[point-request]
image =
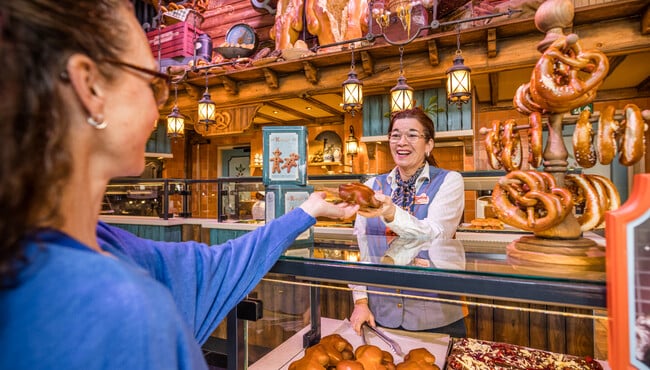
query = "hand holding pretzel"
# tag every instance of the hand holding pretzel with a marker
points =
(530, 200)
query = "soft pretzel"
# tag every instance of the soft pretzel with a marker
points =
(583, 147)
(372, 357)
(419, 359)
(585, 195)
(606, 138)
(358, 193)
(566, 76)
(315, 358)
(337, 348)
(535, 140)
(511, 147)
(523, 102)
(493, 145)
(613, 199)
(633, 136)
(530, 200)
(349, 365)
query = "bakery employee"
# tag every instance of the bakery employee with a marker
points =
(419, 200)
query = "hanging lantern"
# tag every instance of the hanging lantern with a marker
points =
(207, 109)
(401, 96)
(459, 86)
(352, 93)
(175, 124)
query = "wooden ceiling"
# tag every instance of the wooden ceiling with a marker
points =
(501, 55)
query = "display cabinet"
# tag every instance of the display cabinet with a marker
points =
(163, 198)
(545, 306)
(237, 195)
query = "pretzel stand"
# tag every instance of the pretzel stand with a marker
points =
(566, 77)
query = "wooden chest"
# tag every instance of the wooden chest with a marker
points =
(173, 41)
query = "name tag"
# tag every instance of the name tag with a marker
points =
(422, 199)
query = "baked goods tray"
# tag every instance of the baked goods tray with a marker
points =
(507, 229)
(291, 350)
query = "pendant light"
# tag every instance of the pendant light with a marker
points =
(459, 85)
(175, 120)
(207, 108)
(352, 91)
(401, 96)
(352, 144)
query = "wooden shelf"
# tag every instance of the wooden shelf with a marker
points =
(320, 164)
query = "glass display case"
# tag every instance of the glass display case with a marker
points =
(561, 309)
(164, 198)
(237, 196)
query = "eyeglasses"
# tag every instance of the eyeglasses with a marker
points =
(160, 83)
(411, 136)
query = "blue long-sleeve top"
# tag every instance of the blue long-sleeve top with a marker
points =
(147, 305)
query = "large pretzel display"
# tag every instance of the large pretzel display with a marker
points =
(566, 76)
(531, 200)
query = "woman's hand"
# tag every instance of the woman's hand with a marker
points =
(387, 209)
(360, 315)
(316, 206)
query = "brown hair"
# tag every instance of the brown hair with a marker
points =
(427, 124)
(36, 39)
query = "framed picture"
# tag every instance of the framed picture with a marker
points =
(238, 166)
(285, 155)
(628, 279)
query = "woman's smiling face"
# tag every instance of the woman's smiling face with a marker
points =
(408, 145)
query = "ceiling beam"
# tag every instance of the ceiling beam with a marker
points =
(644, 85)
(289, 110)
(320, 105)
(494, 88)
(268, 118)
(614, 62)
(492, 43)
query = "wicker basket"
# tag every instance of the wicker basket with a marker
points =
(190, 16)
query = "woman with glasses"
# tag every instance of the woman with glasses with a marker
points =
(79, 91)
(419, 201)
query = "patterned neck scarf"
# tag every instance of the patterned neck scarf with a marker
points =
(404, 195)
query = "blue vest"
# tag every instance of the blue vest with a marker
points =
(410, 314)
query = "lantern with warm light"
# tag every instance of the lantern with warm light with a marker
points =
(401, 96)
(207, 109)
(175, 124)
(352, 92)
(352, 144)
(175, 120)
(459, 85)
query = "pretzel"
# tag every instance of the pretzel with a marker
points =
(558, 84)
(530, 200)
(493, 145)
(585, 195)
(583, 147)
(315, 358)
(511, 147)
(535, 155)
(633, 137)
(357, 193)
(606, 138)
(613, 199)
(337, 348)
(523, 102)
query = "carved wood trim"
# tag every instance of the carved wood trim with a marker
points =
(229, 85)
(311, 72)
(645, 21)
(232, 121)
(433, 52)
(368, 63)
(271, 78)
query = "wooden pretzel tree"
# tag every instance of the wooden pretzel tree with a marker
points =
(566, 77)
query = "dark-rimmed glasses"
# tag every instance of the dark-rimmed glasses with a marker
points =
(159, 84)
(411, 136)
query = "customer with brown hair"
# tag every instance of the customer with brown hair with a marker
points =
(419, 201)
(79, 91)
